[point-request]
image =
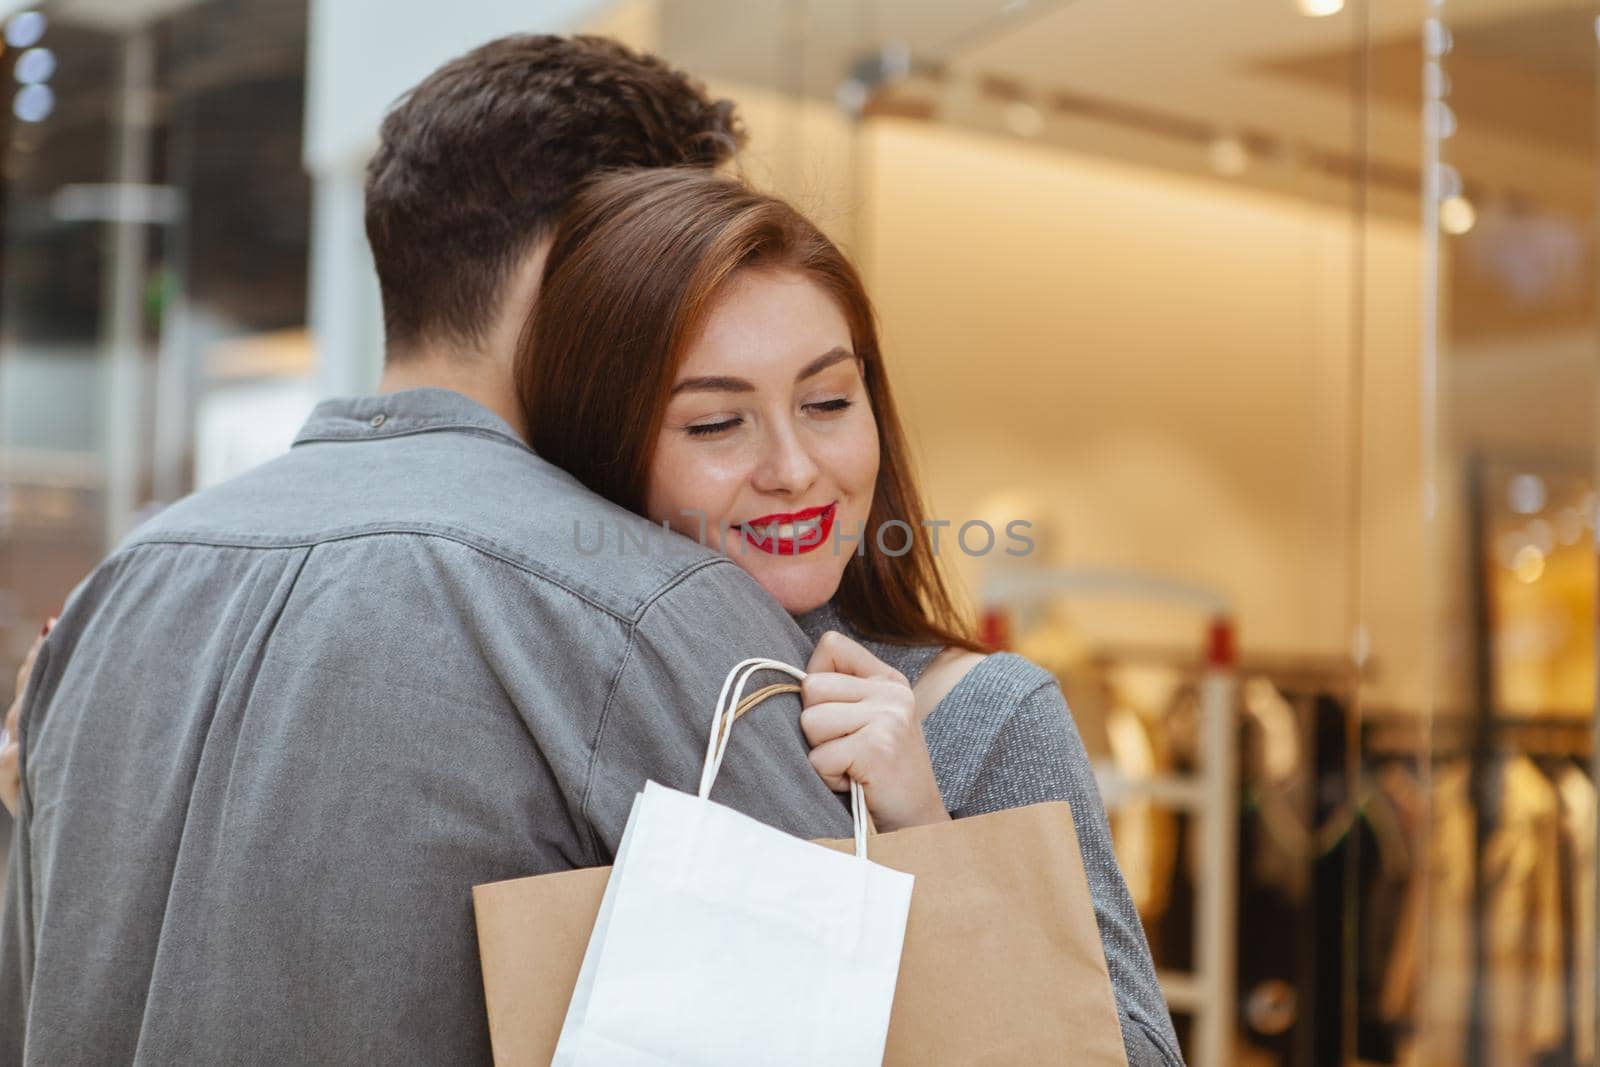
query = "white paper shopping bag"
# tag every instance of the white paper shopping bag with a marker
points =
(722, 941)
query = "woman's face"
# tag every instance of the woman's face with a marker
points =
(769, 436)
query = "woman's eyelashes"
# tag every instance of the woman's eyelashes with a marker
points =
(707, 429)
(712, 429)
(831, 405)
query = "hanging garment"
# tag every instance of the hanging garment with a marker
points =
(1386, 872)
(1578, 824)
(1523, 979)
(1443, 901)
(1397, 990)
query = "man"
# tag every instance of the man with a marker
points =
(273, 741)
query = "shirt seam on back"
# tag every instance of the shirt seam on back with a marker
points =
(466, 542)
(611, 694)
(253, 672)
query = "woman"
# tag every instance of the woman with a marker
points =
(704, 356)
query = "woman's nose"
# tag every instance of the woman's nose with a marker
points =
(785, 464)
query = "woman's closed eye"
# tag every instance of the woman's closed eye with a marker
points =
(707, 429)
(712, 429)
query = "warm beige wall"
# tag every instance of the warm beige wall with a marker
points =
(1167, 361)
(1397, 549)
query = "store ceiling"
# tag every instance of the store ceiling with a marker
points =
(1314, 102)
(1522, 76)
(1144, 69)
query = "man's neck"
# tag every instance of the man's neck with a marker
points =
(480, 372)
(482, 379)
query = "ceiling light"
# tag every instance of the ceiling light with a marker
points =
(1446, 181)
(1529, 565)
(1024, 120)
(33, 103)
(1527, 494)
(25, 29)
(1228, 156)
(35, 66)
(1441, 120)
(1437, 40)
(1457, 216)
(1319, 8)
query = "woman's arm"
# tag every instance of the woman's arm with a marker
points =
(1037, 756)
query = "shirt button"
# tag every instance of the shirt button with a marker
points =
(379, 420)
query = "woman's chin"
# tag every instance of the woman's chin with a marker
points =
(798, 586)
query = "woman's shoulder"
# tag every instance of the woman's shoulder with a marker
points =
(1001, 705)
(995, 681)
(947, 668)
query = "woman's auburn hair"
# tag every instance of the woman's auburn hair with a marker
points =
(636, 264)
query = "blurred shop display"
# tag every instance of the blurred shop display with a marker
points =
(1492, 955)
(1236, 823)
(156, 236)
(1151, 796)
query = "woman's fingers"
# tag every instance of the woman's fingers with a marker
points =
(837, 653)
(822, 723)
(827, 687)
(860, 719)
(832, 761)
(10, 777)
(10, 747)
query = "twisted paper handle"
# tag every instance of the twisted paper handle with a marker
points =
(730, 707)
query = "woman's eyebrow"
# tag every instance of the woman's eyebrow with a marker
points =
(823, 362)
(718, 384)
(712, 385)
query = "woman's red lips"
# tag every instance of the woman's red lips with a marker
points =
(762, 532)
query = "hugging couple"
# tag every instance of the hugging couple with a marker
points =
(277, 736)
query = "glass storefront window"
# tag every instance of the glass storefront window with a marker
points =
(1508, 108)
(153, 296)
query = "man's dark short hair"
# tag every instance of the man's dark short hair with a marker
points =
(476, 163)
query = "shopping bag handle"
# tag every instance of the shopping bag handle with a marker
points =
(730, 707)
(761, 696)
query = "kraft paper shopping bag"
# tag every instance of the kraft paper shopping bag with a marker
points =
(720, 940)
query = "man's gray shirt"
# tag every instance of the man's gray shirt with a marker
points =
(281, 732)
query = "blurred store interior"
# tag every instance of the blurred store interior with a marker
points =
(1275, 318)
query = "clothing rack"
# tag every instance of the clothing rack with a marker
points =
(1480, 739)
(1209, 795)
(1404, 734)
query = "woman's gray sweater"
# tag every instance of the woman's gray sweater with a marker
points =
(1003, 738)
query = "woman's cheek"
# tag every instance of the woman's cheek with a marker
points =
(854, 458)
(697, 481)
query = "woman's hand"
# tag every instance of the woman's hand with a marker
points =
(11, 745)
(861, 721)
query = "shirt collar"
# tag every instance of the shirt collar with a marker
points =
(410, 411)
